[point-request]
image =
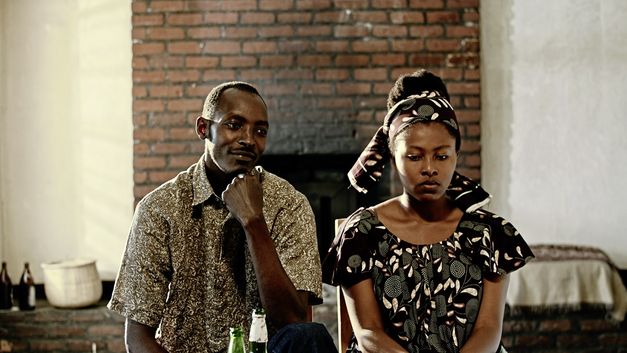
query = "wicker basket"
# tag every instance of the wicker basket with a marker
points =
(72, 283)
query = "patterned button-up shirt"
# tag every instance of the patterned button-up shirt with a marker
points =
(187, 269)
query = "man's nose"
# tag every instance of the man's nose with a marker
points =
(246, 137)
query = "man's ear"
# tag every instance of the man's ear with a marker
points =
(203, 128)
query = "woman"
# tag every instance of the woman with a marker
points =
(425, 271)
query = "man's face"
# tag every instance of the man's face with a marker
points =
(238, 131)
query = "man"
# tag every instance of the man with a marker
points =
(218, 240)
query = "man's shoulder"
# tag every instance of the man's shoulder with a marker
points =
(176, 190)
(278, 188)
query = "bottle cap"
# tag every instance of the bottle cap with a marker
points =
(236, 331)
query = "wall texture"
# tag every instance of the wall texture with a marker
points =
(65, 133)
(553, 126)
(324, 67)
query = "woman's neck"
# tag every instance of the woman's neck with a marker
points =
(430, 211)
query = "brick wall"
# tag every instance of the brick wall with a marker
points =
(323, 66)
(59, 330)
(46, 329)
(586, 331)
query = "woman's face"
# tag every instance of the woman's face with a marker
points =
(425, 157)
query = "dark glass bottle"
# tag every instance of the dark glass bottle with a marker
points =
(6, 288)
(26, 290)
(258, 337)
(236, 341)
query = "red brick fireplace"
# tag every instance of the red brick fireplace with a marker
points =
(324, 68)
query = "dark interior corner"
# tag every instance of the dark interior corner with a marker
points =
(322, 178)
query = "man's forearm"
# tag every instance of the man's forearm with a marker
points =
(140, 338)
(281, 300)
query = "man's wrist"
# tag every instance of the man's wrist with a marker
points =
(253, 223)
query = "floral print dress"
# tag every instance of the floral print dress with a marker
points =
(429, 295)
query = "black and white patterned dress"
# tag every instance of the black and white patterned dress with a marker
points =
(429, 295)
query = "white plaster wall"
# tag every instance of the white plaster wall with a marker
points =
(66, 140)
(3, 109)
(106, 129)
(554, 146)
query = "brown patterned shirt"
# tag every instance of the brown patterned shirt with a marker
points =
(187, 268)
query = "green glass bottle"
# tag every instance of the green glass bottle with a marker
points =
(258, 337)
(236, 342)
(26, 290)
(6, 288)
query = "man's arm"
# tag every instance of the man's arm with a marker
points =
(282, 302)
(143, 280)
(140, 338)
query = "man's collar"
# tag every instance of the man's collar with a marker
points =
(203, 192)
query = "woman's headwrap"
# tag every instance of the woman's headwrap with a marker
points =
(425, 107)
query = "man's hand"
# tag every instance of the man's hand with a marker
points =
(244, 197)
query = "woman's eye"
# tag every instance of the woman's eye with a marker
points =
(441, 157)
(413, 157)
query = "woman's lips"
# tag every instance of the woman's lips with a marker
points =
(429, 185)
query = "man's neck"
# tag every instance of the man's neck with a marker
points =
(217, 178)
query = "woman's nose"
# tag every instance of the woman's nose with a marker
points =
(428, 169)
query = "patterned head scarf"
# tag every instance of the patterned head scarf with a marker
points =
(426, 107)
(429, 106)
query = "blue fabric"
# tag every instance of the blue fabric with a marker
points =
(310, 337)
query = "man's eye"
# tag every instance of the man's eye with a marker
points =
(262, 132)
(441, 157)
(413, 157)
(233, 125)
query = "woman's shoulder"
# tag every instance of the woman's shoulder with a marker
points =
(359, 216)
(388, 209)
(373, 214)
(487, 219)
(349, 258)
(387, 205)
(498, 243)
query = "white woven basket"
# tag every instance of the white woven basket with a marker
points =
(72, 283)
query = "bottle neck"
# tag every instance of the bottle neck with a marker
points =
(26, 278)
(258, 330)
(257, 347)
(236, 343)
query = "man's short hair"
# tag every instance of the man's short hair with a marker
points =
(213, 98)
